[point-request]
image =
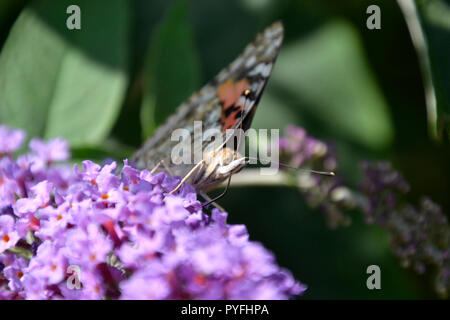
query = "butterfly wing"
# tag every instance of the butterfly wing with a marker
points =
(220, 104)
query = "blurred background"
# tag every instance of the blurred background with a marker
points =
(107, 87)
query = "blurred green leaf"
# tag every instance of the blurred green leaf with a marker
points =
(58, 82)
(326, 77)
(109, 149)
(172, 68)
(429, 25)
(21, 252)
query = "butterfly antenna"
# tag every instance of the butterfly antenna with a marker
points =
(322, 173)
(247, 93)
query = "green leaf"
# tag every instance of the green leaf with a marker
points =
(21, 252)
(172, 68)
(60, 82)
(109, 149)
(325, 77)
(429, 25)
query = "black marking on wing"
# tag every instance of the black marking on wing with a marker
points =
(228, 111)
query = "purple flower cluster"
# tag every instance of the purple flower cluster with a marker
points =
(298, 149)
(383, 187)
(419, 236)
(92, 233)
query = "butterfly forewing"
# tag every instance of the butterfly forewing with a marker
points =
(221, 104)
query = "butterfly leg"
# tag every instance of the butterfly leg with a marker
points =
(210, 201)
(220, 196)
(188, 175)
(166, 167)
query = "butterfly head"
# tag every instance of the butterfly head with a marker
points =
(219, 165)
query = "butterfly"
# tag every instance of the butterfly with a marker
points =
(229, 101)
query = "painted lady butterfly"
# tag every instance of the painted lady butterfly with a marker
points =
(229, 101)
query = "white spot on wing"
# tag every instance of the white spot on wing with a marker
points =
(262, 69)
(250, 61)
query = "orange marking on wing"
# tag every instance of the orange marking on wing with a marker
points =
(229, 93)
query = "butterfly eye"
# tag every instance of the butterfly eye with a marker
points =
(247, 92)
